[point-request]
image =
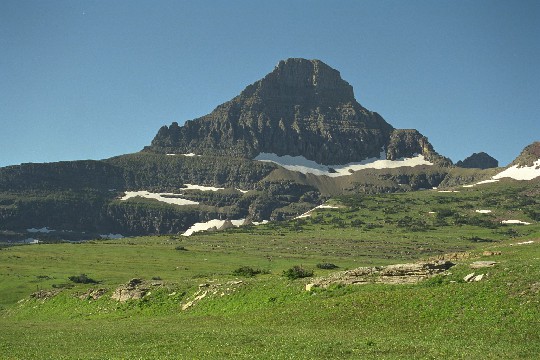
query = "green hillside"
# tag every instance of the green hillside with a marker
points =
(44, 314)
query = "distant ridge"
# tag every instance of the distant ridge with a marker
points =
(302, 108)
(479, 160)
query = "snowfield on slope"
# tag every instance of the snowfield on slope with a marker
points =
(514, 172)
(305, 166)
(520, 173)
(310, 212)
(515, 222)
(44, 230)
(163, 197)
(171, 198)
(203, 226)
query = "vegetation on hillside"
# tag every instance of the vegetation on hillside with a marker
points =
(205, 303)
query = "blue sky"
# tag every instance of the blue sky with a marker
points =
(94, 79)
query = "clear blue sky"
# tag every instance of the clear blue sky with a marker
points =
(94, 79)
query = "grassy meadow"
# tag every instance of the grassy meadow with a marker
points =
(269, 316)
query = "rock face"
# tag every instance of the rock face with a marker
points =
(408, 143)
(479, 160)
(303, 107)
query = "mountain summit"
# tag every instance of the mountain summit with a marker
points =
(302, 108)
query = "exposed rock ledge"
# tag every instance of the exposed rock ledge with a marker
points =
(391, 274)
(135, 289)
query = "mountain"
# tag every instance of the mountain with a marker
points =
(529, 156)
(478, 161)
(285, 145)
(302, 108)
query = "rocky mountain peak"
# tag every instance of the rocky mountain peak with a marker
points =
(301, 81)
(479, 160)
(529, 155)
(301, 108)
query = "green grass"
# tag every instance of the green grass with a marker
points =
(268, 316)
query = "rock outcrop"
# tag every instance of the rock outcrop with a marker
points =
(391, 274)
(302, 108)
(479, 160)
(405, 143)
(135, 289)
(528, 156)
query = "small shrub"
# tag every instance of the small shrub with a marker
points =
(479, 239)
(297, 272)
(180, 248)
(247, 271)
(82, 279)
(327, 266)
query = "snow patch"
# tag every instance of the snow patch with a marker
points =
(111, 236)
(213, 223)
(163, 197)
(305, 166)
(203, 226)
(190, 154)
(260, 222)
(201, 187)
(448, 191)
(515, 222)
(172, 198)
(45, 230)
(483, 211)
(514, 172)
(486, 182)
(523, 243)
(521, 173)
(207, 188)
(310, 212)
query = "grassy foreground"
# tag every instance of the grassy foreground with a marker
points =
(271, 317)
